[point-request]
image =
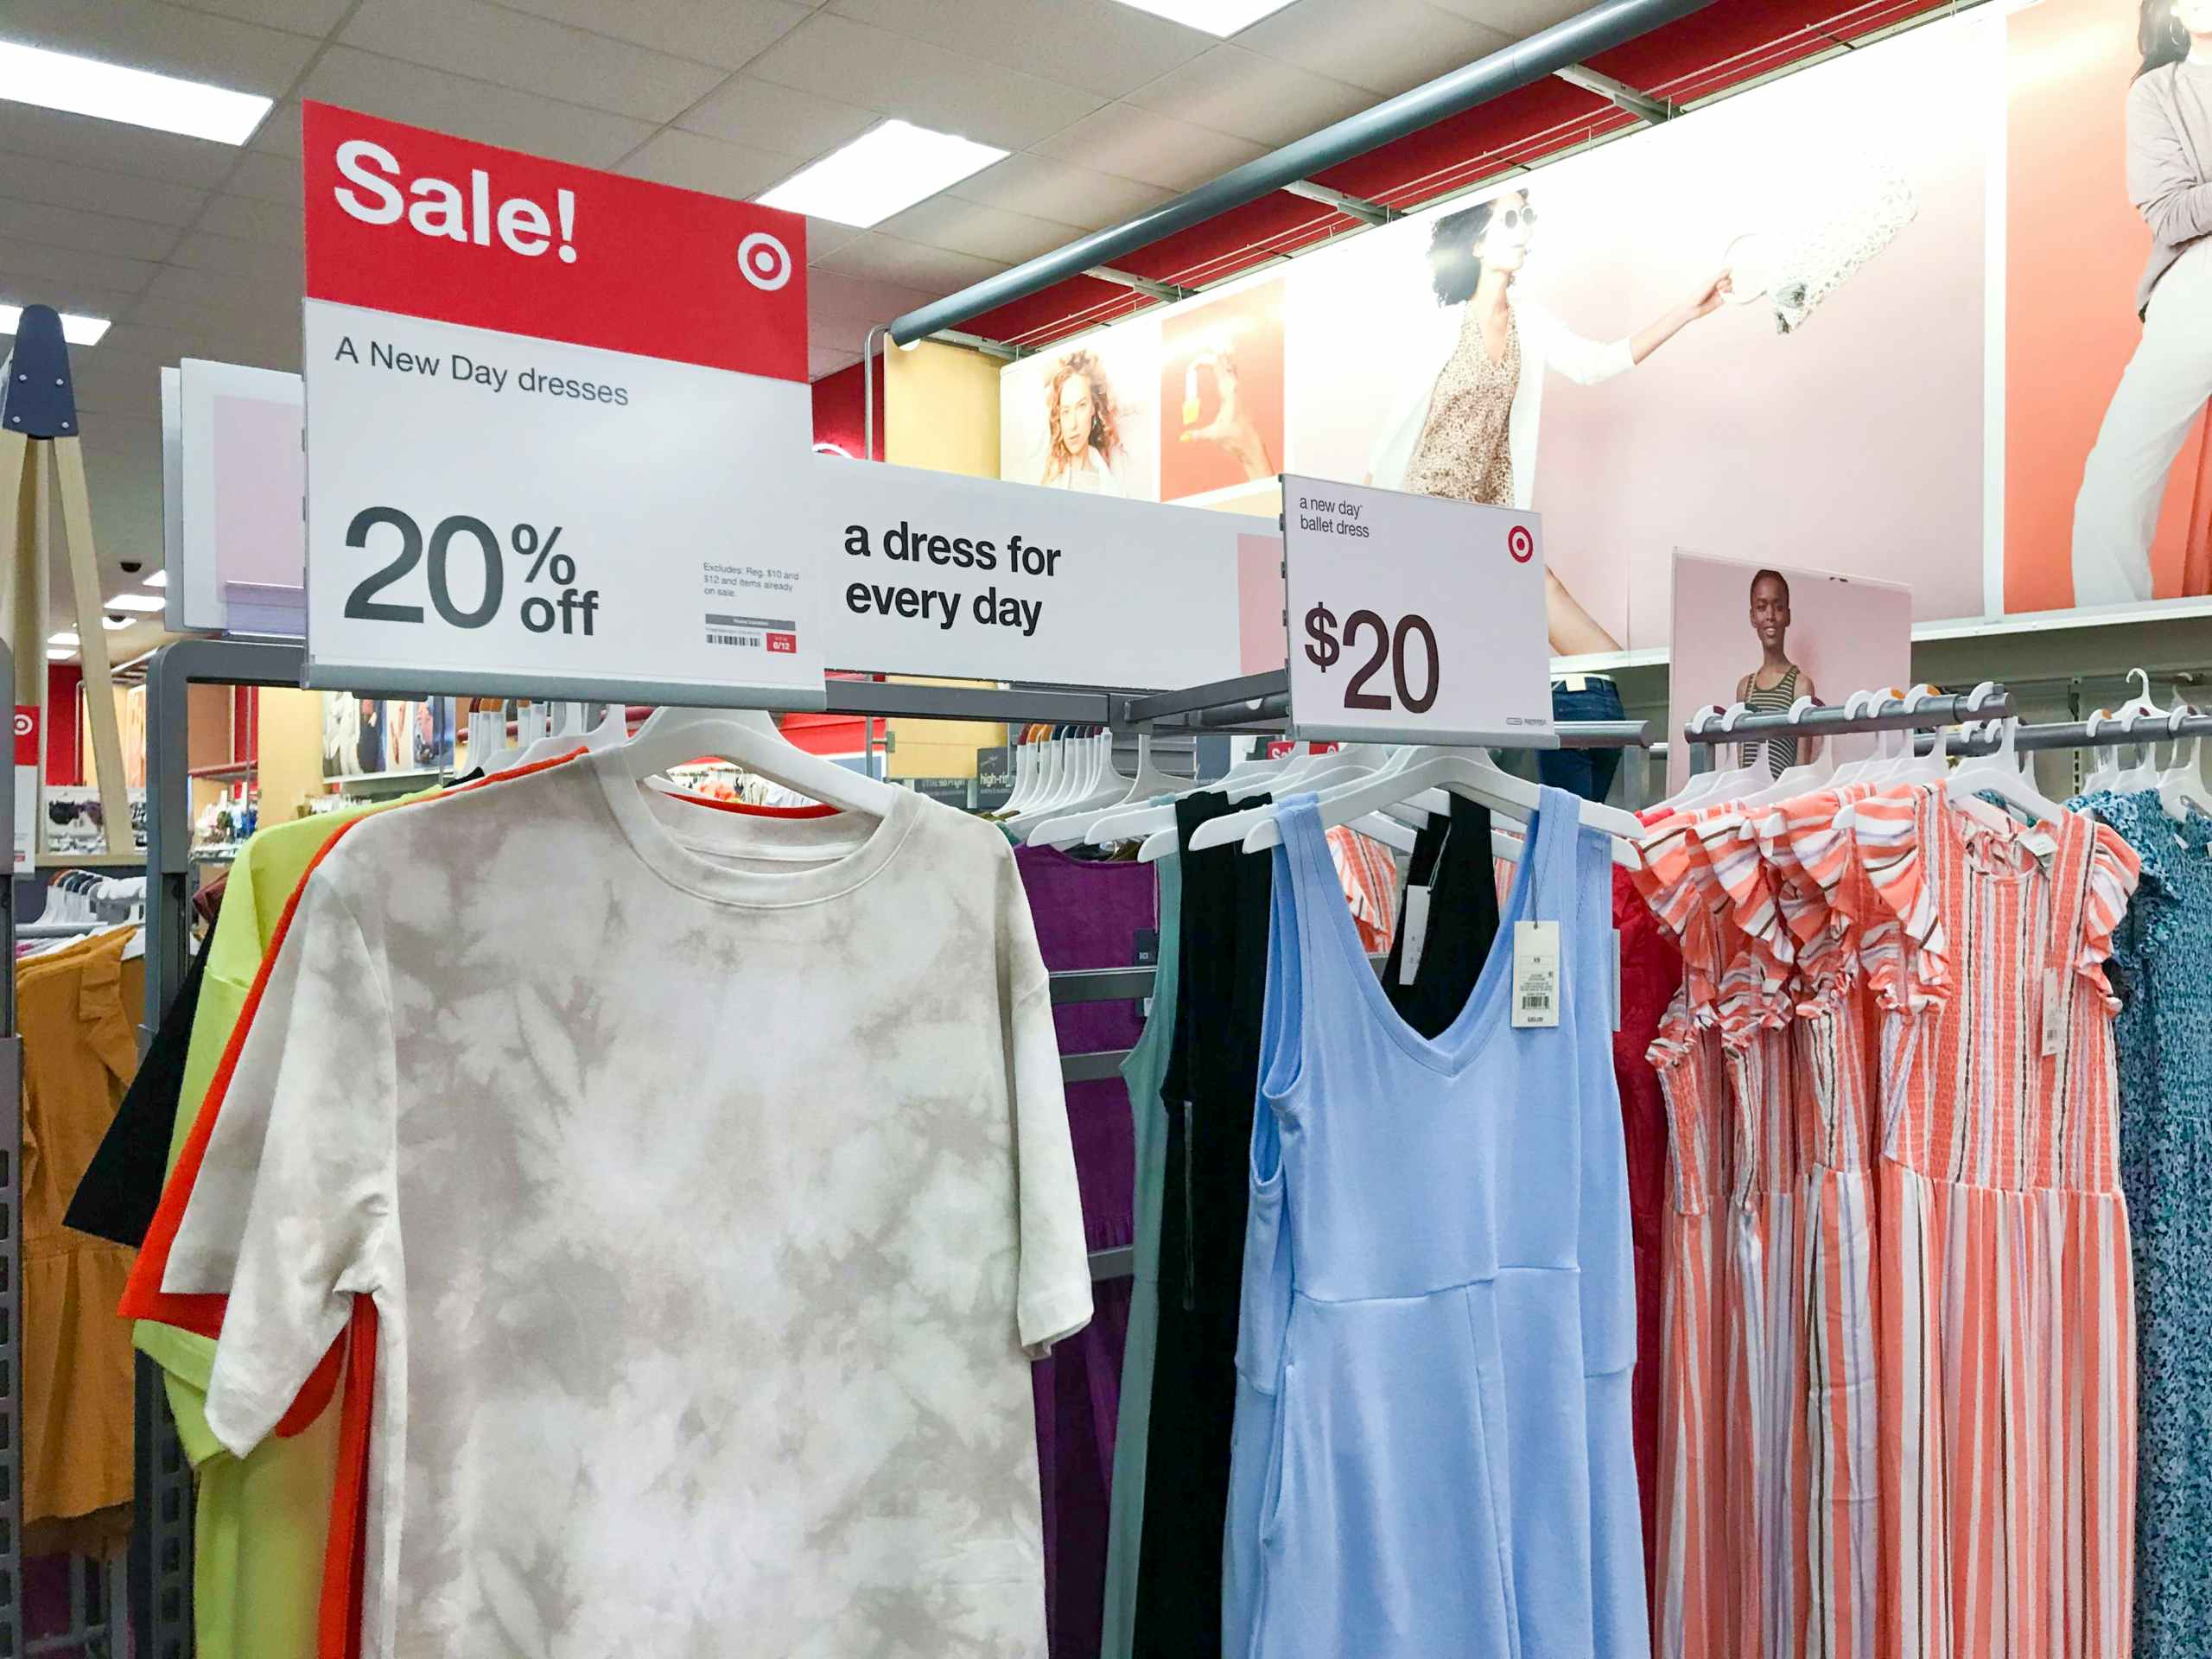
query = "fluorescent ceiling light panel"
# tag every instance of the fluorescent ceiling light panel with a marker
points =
(1223, 17)
(892, 165)
(67, 637)
(77, 331)
(55, 655)
(145, 604)
(58, 80)
(159, 579)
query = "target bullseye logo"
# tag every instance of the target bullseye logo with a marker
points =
(765, 262)
(1520, 544)
(26, 722)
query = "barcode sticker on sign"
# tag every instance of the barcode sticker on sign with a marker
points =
(1535, 974)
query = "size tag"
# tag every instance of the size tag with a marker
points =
(1413, 926)
(2053, 1012)
(1535, 974)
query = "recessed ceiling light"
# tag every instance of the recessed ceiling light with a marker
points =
(67, 637)
(77, 331)
(116, 624)
(892, 165)
(1215, 16)
(159, 579)
(146, 604)
(59, 80)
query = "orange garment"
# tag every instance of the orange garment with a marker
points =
(1371, 884)
(79, 1053)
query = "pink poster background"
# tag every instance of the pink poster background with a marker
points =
(260, 481)
(1847, 634)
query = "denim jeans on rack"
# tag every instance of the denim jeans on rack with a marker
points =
(1588, 773)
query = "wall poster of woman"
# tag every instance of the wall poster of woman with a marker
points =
(1080, 416)
(2168, 379)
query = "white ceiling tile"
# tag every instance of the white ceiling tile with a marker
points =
(111, 380)
(970, 227)
(316, 17)
(112, 146)
(85, 299)
(68, 227)
(59, 184)
(203, 250)
(824, 359)
(1386, 46)
(1247, 96)
(728, 33)
(266, 178)
(147, 34)
(512, 48)
(1028, 183)
(701, 163)
(279, 134)
(222, 294)
(826, 236)
(836, 58)
(243, 217)
(1516, 18)
(1150, 147)
(473, 109)
(749, 111)
(936, 271)
(270, 338)
(1107, 49)
(66, 265)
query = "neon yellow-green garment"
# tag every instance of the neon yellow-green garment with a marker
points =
(261, 1521)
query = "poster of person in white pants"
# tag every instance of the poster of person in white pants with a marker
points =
(2169, 379)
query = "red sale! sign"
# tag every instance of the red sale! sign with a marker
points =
(422, 224)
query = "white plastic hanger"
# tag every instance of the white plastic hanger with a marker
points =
(1066, 829)
(612, 731)
(1722, 783)
(749, 739)
(1858, 706)
(2180, 786)
(2144, 774)
(1799, 779)
(2000, 774)
(1103, 787)
(1467, 772)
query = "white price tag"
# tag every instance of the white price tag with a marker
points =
(1535, 974)
(1413, 922)
(1413, 617)
(2054, 1011)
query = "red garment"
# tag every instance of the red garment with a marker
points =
(1651, 971)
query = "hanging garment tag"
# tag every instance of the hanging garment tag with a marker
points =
(1413, 922)
(1535, 974)
(1146, 954)
(2053, 1012)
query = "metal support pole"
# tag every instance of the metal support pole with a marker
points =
(1621, 95)
(1359, 207)
(1159, 291)
(160, 1576)
(11, 1264)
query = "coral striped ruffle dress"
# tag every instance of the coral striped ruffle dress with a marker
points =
(2007, 1374)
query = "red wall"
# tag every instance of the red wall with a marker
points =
(837, 411)
(63, 765)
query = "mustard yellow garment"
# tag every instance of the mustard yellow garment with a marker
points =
(261, 1522)
(74, 1007)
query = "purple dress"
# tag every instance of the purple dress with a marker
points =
(1090, 913)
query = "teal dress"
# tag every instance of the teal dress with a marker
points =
(2161, 969)
(1144, 1071)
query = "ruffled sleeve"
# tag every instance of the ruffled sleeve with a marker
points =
(1902, 948)
(2114, 869)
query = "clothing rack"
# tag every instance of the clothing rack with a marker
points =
(1260, 703)
(1987, 701)
(2082, 735)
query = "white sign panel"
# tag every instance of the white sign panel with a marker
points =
(236, 550)
(1413, 617)
(549, 542)
(932, 573)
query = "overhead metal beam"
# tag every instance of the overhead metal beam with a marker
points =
(1374, 212)
(1159, 291)
(1619, 93)
(1600, 29)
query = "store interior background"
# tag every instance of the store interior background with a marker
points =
(191, 249)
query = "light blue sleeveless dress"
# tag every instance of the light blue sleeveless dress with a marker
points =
(1432, 1452)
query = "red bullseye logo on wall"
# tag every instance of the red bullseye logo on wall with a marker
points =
(1520, 544)
(765, 262)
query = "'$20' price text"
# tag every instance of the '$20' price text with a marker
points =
(1415, 673)
(555, 604)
